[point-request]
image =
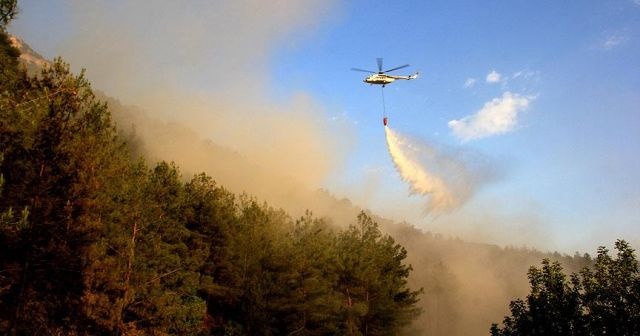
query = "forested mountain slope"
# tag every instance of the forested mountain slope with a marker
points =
(93, 241)
(96, 238)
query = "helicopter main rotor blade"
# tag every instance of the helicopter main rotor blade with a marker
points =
(363, 70)
(396, 68)
(379, 60)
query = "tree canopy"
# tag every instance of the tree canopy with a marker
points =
(600, 300)
(8, 10)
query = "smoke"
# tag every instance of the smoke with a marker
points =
(200, 73)
(134, 49)
(446, 180)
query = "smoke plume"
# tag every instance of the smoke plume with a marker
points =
(447, 180)
(200, 73)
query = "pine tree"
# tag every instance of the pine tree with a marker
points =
(209, 213)
(59, 147)
(373, 281)
(164, 279)
(258, 256)
(305, 302)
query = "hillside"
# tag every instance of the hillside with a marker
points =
(93, 241)
(467, 286)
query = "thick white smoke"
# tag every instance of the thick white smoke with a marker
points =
(446, 178)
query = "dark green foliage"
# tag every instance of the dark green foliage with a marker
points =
(372, 281)
(10, 72)
(58, 144)
(552, 307)
(612, 292)
(313, 304)
(8, 10)
(604, 300)
(93, 242)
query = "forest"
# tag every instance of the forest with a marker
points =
(93, 241)
(97, 239)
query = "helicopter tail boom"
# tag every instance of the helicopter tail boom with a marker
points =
(410, 77)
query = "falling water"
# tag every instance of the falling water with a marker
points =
(421, 181)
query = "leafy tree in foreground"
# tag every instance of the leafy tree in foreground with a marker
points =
(604, 300)
(611, 296)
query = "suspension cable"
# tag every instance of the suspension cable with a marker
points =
(384, 106)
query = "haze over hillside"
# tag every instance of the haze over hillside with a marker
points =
(466, 284)
(259, 97)
(277, 87)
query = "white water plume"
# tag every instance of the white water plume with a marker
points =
(447, 179)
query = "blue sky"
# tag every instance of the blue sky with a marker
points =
(573, 156)
(565, 170)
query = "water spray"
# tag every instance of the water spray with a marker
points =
(421, 181)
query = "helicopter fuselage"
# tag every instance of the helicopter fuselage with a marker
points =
(383, 79)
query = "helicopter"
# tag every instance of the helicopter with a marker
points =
(381, 77)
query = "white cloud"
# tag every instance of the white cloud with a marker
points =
(470, 82)
(496, 117)
(523, 74)
(526, 73)
(613, 41)
(493, 77)
(637, 2)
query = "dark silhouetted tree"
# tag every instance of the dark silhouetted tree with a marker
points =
(604, 300)
(611, 296)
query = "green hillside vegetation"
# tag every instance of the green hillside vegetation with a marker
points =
(97, 237)
(465, 284)
(95, 242)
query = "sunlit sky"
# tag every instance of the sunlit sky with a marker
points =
(547, 93)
